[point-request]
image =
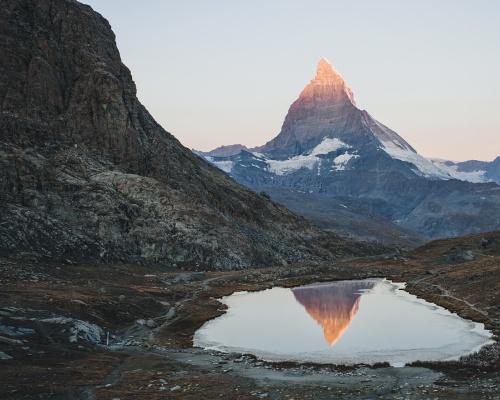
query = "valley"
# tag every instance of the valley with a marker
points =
(116, 240)
(154, 360)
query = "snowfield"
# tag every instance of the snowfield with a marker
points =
(226, 166)
(475, 176)
(423, 165)
(285, 167)
(429, 168)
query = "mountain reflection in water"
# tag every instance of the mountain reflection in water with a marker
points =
(391, 325)
(333, 305)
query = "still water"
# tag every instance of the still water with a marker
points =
(341, 322)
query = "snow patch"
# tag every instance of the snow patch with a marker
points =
(79, 329)
(452, 170)
(423, 165)
(309, 161)
(342, 160)
(328, 145)
(226, 166)
(386, 136)
(398, 149)
(293, 164)
(85, 331)
(259, 155)
(319, 168)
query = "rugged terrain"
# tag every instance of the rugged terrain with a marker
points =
(55, 320)
(87, 174)
(116, 241)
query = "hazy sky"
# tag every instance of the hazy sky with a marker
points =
(226, 71)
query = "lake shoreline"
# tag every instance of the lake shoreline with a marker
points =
(157, 359)
(368, 321)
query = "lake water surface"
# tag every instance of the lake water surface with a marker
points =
(343, 322)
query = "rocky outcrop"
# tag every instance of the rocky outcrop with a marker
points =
(493, 170)
(87, 174)
(326, 109)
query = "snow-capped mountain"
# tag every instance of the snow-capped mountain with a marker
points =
(324, 127)
(328, 147)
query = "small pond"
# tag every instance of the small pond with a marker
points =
(343, 322)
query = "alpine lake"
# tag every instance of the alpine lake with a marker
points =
(344, 323)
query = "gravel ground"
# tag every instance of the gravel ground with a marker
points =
(151, 315)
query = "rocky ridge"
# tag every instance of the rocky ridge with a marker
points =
(87, 175)
(223, 151)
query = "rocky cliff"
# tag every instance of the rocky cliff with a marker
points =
(86, 174)
(326, 109)
(493, 170)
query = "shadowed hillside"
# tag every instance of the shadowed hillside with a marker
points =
(87, 174)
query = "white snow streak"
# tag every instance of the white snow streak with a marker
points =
(474, 176)
(259, 155)
(284, 167)
(424, 166)
(328, 145)
(342, 160)
(226, 166)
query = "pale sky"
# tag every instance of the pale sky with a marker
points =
(226, 71)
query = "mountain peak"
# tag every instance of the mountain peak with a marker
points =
(325, 70)
(327, 75)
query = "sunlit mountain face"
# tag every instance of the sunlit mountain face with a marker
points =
(333, 305)
(335, 164)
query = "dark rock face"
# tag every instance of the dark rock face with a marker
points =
(87, 174)
(493, 170)
(326, 109)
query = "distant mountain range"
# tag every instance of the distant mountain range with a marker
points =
(337, 165)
